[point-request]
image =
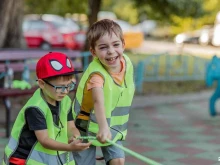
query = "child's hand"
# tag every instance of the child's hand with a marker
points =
(76, 132)
(71, 140)
(77, 145)
(104, 134)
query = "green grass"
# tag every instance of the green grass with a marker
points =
(171, 87)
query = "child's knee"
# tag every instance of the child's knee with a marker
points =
(117, 161)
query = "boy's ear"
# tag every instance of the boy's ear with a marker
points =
(123, 45)
(41, 83)
(92, 51)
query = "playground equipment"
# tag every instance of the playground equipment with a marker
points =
(213, 74)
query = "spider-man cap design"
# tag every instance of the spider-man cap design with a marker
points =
(54, 64)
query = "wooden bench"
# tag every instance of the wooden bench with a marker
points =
(17, 60)
(5, 94)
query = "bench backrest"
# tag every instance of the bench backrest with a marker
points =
(19, 60)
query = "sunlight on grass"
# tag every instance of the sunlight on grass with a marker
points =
(180, 64)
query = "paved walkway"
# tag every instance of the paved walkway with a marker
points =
(173, 130)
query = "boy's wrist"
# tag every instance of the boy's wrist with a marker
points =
(103, 127)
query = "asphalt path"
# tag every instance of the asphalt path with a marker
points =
(152, 46)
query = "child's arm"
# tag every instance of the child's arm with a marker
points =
(73, 132)
(98, 100)
(47, 142)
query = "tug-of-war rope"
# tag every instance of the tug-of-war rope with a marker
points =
(132, 153)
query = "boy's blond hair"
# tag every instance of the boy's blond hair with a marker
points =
(100, 28)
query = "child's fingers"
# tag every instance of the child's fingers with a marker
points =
(70, 141)
(84, 146)
(74, 137)
(89, 143)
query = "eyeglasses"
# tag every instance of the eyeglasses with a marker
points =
(60, 89)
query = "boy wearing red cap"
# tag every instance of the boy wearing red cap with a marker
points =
(44, 128)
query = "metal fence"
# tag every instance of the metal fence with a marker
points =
(166, 67)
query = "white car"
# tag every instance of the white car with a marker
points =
(206, 35)
(188, 37)
(147, 27)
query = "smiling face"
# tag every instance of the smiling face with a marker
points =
(109, 49)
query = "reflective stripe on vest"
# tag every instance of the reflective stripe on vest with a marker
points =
(117, 100)
(39, 154)
(4, 160)
(51, 159)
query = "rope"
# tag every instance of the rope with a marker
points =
(134, 154)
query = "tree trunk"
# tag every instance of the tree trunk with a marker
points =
(94, 8)
(11, 17)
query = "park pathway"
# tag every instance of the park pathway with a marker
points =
(172, 130)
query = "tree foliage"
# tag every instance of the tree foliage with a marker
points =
(191, 23)
(60, 7)
(124, 9)
(164, 9)
(185, 13)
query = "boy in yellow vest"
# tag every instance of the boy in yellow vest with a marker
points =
(104, 94)
(44, 128)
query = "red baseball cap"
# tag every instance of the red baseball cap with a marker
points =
(54, 64)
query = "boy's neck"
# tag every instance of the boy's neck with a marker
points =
(117, 69)
(48, 99)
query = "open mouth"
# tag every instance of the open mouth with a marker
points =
(61, 97)
(112, 58)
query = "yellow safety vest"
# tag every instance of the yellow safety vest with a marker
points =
(117, 100)
(40, 155)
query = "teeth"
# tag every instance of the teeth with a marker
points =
(110, 59)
